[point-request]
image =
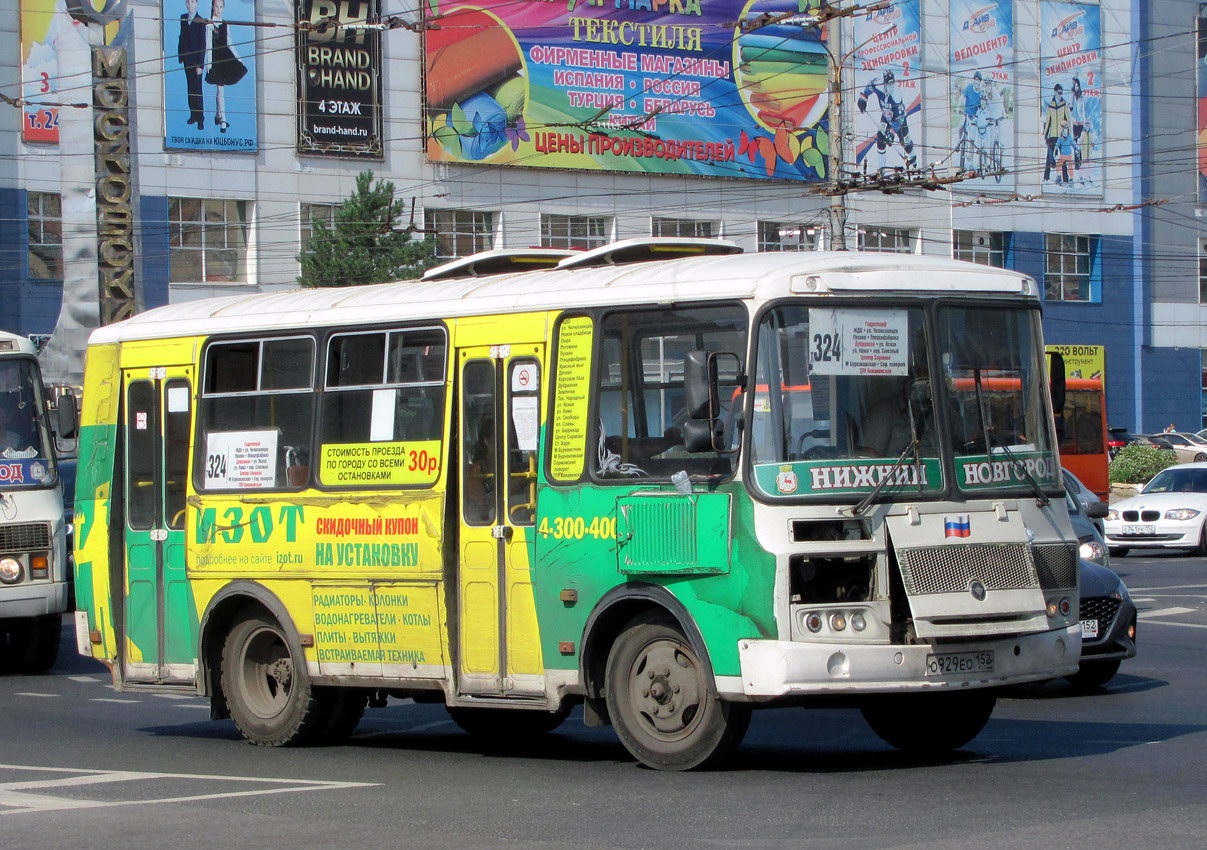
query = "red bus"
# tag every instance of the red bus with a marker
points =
(1083, 448)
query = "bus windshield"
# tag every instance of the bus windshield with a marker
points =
(24, 456)
(993, 374)
(857, 401)
(853, 404)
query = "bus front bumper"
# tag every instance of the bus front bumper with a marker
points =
(778, 668)
(32, 600)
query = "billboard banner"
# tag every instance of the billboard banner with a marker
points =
(339, 79)
(1201, 81)
(720, 89)
(982, 92)
(40, 21)
(888, 87)
(210, 75)
(1070, 77)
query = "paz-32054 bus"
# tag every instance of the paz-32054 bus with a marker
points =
(667, 481)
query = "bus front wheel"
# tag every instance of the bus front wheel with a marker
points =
(34, 642)
(267, 689)
(665, 710)
(930, 722)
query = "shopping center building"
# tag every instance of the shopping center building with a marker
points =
(140, 169)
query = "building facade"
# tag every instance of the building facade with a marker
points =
(1006, 132)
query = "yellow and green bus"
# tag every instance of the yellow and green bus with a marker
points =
(664, 480)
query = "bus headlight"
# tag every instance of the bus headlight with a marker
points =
(11, 570)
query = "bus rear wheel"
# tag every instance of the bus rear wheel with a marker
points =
(930, 723)
(665, 710)
(268, 690)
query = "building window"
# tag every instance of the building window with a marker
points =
(980, 246)
(312, 213)
(574, 231)
(690, 227)
(207, 240)
(891, 240)
(45, 236)
(782, 236)
(460, 233)
(1068, 264)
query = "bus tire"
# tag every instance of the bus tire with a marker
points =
(662, 704)
(267, 689)
(35, 642)
(930, 723)
(504, 723)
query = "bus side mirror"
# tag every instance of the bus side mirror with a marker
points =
(1056, 379)
(703, 430)
(700, 385)
(66, 422)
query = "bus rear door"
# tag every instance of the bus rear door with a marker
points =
(499, 383)
(159, 621)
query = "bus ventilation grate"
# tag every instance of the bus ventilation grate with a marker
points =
(24, 537)
(950, 569)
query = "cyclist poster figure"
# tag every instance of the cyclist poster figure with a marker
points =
(972, 108)
(894, 123)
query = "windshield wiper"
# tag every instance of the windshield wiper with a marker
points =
(884, 479)
(1041, 498)
(914, 447)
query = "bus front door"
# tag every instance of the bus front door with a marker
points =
(159, 622)
(498, 641)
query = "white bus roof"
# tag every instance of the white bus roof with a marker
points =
(14, 344)
(736, 276)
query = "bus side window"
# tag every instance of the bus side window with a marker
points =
(256, 391)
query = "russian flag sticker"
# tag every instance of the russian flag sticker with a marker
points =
(957, 526)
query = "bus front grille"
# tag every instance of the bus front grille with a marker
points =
(1056, 566)
(24, 537)
(950, 569)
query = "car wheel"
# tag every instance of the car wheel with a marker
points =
(1201, 549)
(1200, 457)
(1094, 674)
(1118, 551)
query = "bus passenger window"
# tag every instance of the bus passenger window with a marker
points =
(479, 458)
(384, 398)
(257, 398)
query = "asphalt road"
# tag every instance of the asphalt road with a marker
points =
(1125, 766)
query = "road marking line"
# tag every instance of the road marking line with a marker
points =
(1148, 623)
(34, 694)
(83, 678)
(111, 699)
(194, 705)
(14, 794)
(175, 696)
(423, 727)
(1165, 612)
